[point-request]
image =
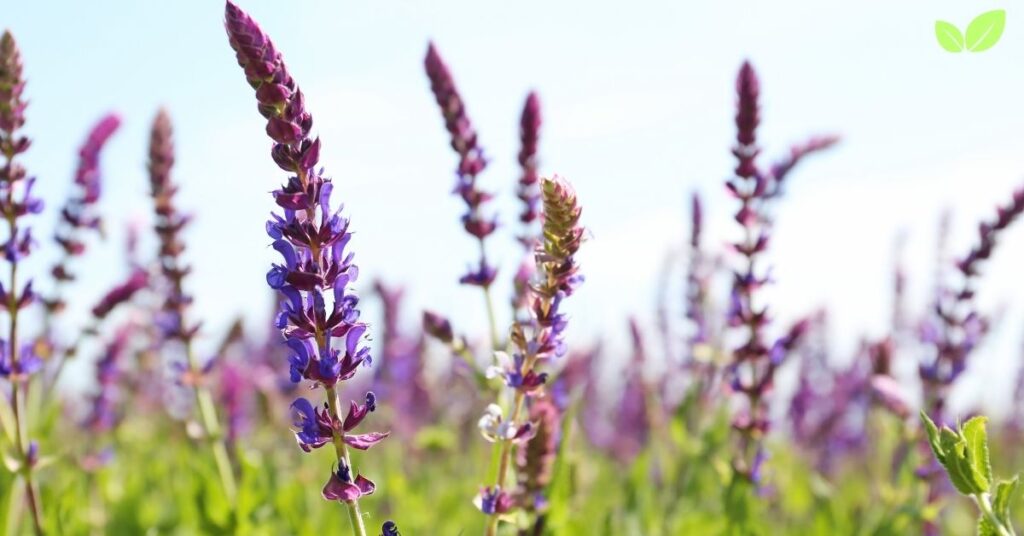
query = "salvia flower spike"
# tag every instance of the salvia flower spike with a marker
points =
(174, 321)
(528, 192)
(318, 306)
(80, 215)
(541, 339)
(471, 163)
(755, 360)
(958, 326)
(16, 201)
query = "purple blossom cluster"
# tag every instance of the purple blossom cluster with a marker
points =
(314, 279)
(957, 326)
(755, 361)
(17, 362)
(105, 411)
(402, 382)
(471, 163)
(537, 341)
(80, 215)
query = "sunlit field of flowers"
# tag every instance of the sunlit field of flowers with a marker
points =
(717, 418)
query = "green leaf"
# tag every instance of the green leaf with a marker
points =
(985, 30)
(1004, 493)
(986, 528)
(933, 437)
(949, 36)
(977, 450)
(957, 466)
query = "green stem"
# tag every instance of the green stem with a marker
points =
(986, 509)
(492, 318)
(212, 432)
(505, 458)
(20, 426)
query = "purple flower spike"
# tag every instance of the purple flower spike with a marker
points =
(755, 360)
(529, 135)
(319, 310)
(538, 340)
(471, 162)
(957, 327)
(104, 414)
(555, 261)
(79, 214)
(16, 201)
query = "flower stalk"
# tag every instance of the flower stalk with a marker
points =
(471, 163)
(755, 361)
(314, 279)
(16, 201)
(537, 341)
(174, 321)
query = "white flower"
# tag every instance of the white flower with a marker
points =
(502, 362)
(493, 426)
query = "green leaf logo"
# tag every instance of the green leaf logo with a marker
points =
(985, 30)
(982, 33)
(949, 36)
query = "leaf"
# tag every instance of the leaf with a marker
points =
(949, 36)
(986, 528)
(1004, 493)
(957, 467)
(977, 450)
(933, 437)
(985, 30)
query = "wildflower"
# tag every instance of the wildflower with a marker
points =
(121, 293)
(493, 501)
(79, 214)
(402, 382)
(438, 327)
(16, 201)
(471, 163)
(103, 415)
(341, 487)
(494, 427)
(234, 389)
(314, 278)
(541, 339)
(174, 323)
(755, 360)
(528, 188)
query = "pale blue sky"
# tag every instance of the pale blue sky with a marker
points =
(637, 100)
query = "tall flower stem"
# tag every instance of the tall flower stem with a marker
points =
(212, 431)
(175, 308)
(12, 118)
(535, 340)
(471, 163)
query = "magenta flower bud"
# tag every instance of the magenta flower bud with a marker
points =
(529, 136)
(438, 327)
(121, 293)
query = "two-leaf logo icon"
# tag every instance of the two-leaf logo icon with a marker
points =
(982, 33)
